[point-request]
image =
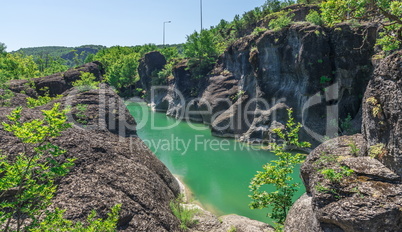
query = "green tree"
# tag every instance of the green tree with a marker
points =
(48, 64)
(277, 173)
(29, 176)
(272, 6)
(17, 66)
(3, 48)
(121, 64)
(200, 45)
(387, 13)
(202, 52)
(282, 20)
(89, 58)
(314, 17)
(41, 99)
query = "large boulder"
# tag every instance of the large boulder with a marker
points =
(362, 195)
(301, 216)
(99, 110)
(112, 166)
(151, 63)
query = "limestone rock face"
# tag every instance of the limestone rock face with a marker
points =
(382, 118)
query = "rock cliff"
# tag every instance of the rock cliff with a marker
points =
(315, 70)
(364, 191)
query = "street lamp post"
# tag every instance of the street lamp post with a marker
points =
(164, 23)
(201, 13)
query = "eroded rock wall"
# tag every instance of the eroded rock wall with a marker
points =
(319, 72)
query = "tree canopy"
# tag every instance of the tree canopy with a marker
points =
(387, 13)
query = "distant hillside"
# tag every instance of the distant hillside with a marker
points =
(72, 55)
(59, 51)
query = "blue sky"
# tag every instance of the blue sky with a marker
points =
(33, 23)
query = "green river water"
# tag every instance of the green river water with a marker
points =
(216, 170)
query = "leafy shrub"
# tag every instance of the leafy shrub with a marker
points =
(27, 172)
(336, 176)
(200, 45)
(80, 115)
(5, 97)
(17, 66)
(272, 6)
(166, 73)
(337, 11)
(258, 30)
(87, 81)
(278, 173)
(41, 100)
(315, 18)
(325, 79)
(282, 20)
(387, 42)
(346, 124)
(237, 95)
(354, 150)
(377, 109)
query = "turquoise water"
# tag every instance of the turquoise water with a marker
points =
(217, 170)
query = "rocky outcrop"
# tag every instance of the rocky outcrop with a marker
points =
(151, 63)
(382, 118)
(319, 72)
(57, 83)
(353, 183)
(306, 67)
(367, 199)
(112, 164)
